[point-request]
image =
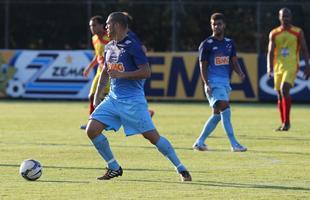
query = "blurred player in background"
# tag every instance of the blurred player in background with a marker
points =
(284, 46)
(127, 66)
(216, 55)
(99, 40)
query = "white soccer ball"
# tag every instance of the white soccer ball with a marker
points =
(30, 169)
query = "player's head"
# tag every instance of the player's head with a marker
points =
(129, 18)
(116, 23)
(217, 21)
(96, 25)
(285, 16)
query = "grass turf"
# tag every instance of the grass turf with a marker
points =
(276, 166)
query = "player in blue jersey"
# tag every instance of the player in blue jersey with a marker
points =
(127, 66)
(217, 54)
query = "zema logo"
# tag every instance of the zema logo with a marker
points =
(49, 74)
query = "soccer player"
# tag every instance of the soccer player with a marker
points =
(216, 56)
(127, 66)
(284, 46)
(99, 40)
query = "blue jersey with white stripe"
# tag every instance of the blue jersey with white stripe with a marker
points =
(125, 55)
(218, 54)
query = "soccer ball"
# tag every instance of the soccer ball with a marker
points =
(30, 169)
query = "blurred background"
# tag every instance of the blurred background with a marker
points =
(168, 27)
(162, 25)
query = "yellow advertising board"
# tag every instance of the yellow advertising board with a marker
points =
(176, 76)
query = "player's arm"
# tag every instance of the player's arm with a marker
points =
(204, 75)
(270, 54)
(236, 67)
(90, 66)
(305, 54)
(144, 49)
(143, 71)
(103, 81)
(203, 65)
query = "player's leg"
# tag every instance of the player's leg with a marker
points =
(224, 107)
(277, 85)
(286, 105)
(209, 126)
(165, 147)
(104, 118)
(280, 108)
(94, 131)
(136, 119)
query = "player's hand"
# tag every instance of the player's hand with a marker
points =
(86, 72)
(208, 89)
(114, 73)
(307, 73)
(97, 101)
(270, 73)
(242, 76)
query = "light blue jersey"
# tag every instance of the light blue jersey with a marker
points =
(125, 55)
(218, 54)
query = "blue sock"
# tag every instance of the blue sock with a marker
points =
(208, 128)
(164, 146)
(228, 127)
(102, 145)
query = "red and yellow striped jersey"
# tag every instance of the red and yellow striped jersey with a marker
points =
(99, 44)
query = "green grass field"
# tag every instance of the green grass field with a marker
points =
(277, 165)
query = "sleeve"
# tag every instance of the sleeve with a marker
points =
(203, 52)
(138, 55)
(233, 49)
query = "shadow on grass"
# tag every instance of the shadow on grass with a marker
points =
(89, 145)
(97, 168)
(55, 181)
(225, 185)
(153, 147)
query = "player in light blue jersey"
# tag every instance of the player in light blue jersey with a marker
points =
(127, 66)
(217, 54)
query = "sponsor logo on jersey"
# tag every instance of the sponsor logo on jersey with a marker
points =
(116, 66)
(221, 60)
(285, 52)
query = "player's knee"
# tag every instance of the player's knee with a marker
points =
(91, 132)
(220, 106)
(152, 136)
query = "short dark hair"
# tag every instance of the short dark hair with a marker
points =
(99, 19)
(120, 18)
(217, 16)
(129, 18)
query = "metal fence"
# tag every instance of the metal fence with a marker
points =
(161, 25)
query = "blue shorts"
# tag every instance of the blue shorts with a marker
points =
(219, 92)
(131, 113)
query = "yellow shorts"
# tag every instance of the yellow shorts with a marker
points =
(95, 83)
(287, 76)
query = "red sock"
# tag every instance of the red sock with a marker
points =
(91, 105)
(281, 110)
(286, 106)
